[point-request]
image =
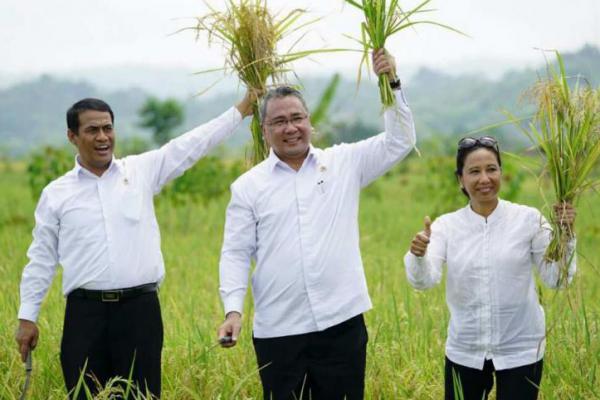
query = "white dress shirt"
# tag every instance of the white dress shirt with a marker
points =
(490, 288)
(301, 227)
(103, 230)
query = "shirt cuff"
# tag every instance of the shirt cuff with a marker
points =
(400, 99)
(237, 117)
(416, 266)
(29, 312)
(233, 303)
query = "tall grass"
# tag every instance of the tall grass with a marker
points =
(382, 20)
(407, 328)
(566, 131)
(251, 34)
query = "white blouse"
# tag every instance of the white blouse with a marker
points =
(494, 309)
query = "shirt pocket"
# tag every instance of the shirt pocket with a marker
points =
(130, 202)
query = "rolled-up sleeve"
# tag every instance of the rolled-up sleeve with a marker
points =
(239, 247)
(43, 260)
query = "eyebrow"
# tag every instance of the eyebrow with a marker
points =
(96, 126)
(295, 114)
(486, 166)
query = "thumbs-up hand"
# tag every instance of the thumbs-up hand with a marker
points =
(419, 244)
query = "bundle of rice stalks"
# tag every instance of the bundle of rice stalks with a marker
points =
(250, 34)
(382, 20)
(566, 130)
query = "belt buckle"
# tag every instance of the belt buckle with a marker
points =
(110, 296)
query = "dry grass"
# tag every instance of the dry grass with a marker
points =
(566, 130)
(250, 34)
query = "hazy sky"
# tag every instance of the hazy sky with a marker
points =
(63, 35)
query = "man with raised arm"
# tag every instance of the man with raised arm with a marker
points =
(296, 215)
(98, 222)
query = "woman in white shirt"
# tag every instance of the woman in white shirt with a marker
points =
(491, 248)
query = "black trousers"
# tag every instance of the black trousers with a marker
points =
(111, 338)
(327, 365)
(520, 383)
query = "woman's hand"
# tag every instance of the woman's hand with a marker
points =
(419, 244)
(564, 214)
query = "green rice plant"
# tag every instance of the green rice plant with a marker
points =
(566, 131)
(407, 328)
(250, 34)
(382, 20)
(457, 385)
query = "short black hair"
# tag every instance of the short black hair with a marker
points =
(85, 105)
(461, 156)
(277, 93)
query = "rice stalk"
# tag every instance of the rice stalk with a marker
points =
(250, 34)
(566, 130)
(382, 20)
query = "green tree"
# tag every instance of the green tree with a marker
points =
(47, 164)
(162, 117)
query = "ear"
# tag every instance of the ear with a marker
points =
(265, 135)
(72, 136)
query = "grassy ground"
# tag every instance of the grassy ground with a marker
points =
(407, 328)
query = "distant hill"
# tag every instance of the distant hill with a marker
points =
(32, 113)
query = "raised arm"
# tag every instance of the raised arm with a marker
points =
(239, 246)
(179, 154)
(424, 260)
(37, 274)
(376, 155)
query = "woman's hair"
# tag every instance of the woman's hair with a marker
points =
(467, 145)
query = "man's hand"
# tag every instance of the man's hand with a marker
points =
(384, 63)
(27, 337)
(230, 329)
(419, 244)
(245, 106)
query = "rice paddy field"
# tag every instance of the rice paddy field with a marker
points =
(407, 328)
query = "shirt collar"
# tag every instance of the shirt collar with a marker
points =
(79, 169)
(272, 160)
(492, 218)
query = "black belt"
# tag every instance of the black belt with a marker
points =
(116, 295)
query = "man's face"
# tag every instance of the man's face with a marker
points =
(94, 141)
(286, 128)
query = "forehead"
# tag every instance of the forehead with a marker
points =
(94, 118)
(481, 157)
(284, 106)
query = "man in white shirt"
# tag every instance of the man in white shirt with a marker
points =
(98, 222)
(296, 214)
